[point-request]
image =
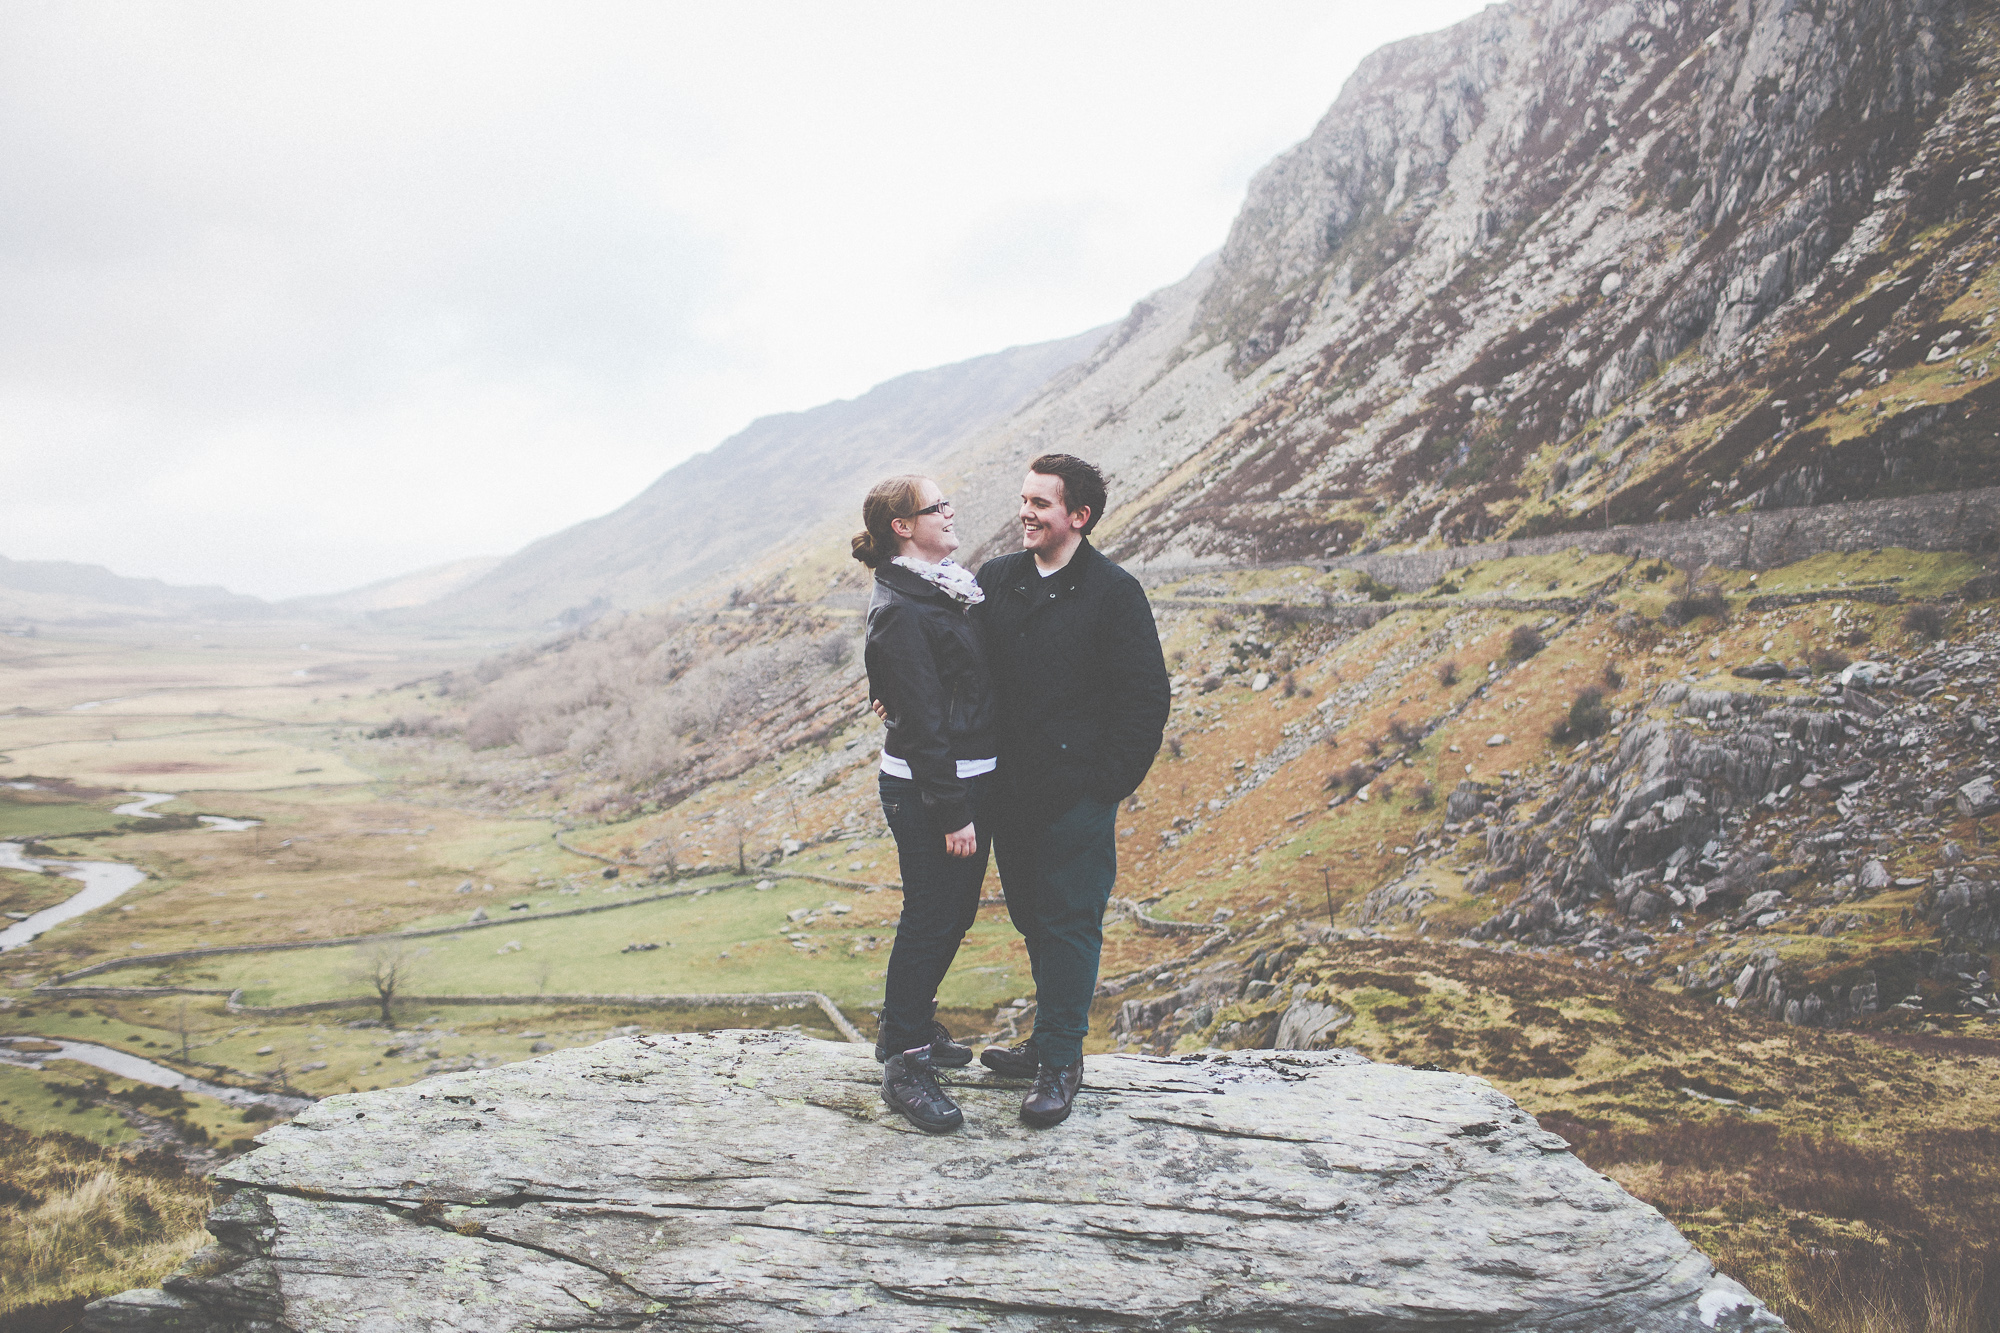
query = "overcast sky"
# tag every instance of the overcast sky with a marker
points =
(298, 296)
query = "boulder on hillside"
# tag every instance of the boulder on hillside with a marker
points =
(1978, 797)
(1464, 802)
(754, 1180)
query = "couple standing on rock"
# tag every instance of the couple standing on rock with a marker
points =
(1023, 704)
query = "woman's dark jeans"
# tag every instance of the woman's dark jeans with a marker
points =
(940, 900)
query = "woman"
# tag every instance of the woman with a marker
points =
(927, 673)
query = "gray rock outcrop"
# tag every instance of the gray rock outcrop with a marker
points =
(753, 1180)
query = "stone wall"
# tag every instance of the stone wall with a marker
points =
(1954, 521)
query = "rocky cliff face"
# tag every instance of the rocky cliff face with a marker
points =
(1661, 827)
(754, 1180)
(1570, 263)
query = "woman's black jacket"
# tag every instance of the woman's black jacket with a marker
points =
(927, 664)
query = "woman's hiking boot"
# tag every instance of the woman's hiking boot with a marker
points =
(1013, 1062)
(910, 1085)
(945, 1053)
(1049, 1101)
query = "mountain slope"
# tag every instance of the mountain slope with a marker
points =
(65, 592)
(757, 490)
(416, 588)
(1570, 263)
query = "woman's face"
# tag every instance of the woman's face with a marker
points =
(932, 536)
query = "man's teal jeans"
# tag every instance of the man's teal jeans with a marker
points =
(1057, 878)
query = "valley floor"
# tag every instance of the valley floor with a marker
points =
(1361, 834)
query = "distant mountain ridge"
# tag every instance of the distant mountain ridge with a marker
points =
(49, 591)
(759, 490)
(395, 594)
(762, 488)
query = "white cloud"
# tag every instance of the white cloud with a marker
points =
(297, 297)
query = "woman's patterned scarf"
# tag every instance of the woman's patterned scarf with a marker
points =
(953, 578)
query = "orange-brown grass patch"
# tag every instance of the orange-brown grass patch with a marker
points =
(1851, 1179)
(78, 1221)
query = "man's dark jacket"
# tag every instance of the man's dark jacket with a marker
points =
(1081, 682)
(927, 666)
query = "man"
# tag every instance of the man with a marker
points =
(1083, 698)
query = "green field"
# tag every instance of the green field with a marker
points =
(730, 941)
(30, 1100)
(50, 819)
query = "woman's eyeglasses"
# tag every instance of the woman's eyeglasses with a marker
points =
(941, 507)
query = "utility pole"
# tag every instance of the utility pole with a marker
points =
(184, 1031)
(1326, 882)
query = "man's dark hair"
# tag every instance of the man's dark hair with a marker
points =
(1083, 484)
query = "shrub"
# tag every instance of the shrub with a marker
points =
(834, 649)
(1223, 621)
(1403, 733)
(1373, 588)
(1696, 599)
(1291, 687)
(1426, 796)
(1924, 620)
(1695, 604)
(1825, 661)
(494, 723)
(1613, 678)
(1211, 683)
(411, 724)
(1282, 618)
(1524, 643)
(1447, 588)
(1656, 571)
(1374, 747)
(1588, 717)
(1447, 673)
(1636, 630)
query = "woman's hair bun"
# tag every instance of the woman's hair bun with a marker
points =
(888, 500)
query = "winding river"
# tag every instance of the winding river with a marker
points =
(140, 806)
(139, 1071)
(103, 882)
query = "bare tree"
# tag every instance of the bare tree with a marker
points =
(386, 969)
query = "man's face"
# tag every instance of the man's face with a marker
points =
(1046, 525)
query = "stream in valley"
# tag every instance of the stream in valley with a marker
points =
(30, 1053)
(103, 882)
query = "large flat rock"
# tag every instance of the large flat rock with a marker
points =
(754, 1180)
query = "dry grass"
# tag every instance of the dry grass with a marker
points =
(1861, 1191)
(78, 1221)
